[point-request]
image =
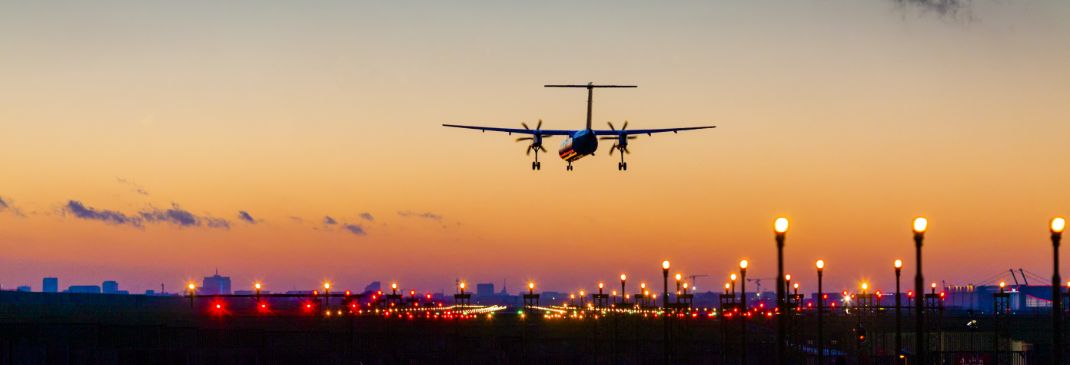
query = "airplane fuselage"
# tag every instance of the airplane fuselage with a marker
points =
(579, 144)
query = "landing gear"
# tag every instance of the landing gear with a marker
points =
(569, 167)
(623, 166)
(536, 165)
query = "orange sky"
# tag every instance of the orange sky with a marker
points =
(848, 117)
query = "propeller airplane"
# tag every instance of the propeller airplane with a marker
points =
(583, 142)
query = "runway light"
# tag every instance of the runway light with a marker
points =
(781, 225)
(898, 263)
(920, 224)
(1058, 224)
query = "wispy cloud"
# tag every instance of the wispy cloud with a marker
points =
(182, 218)
(9, 206)
(943, 8)
(355, 229)
(329, 221)
(137, 188)
(81, 211)
(367, 216)
(424, 215)
(245, 216)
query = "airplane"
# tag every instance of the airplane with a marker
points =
(583, 142)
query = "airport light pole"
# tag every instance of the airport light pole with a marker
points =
(743, 310)
(920, 342)
(623, 292)
(327, 295)
(898, 310)
(820, 313)
(780, 228)
(733, 278)
(665, 308)
(192, 291)
(678, 277)
(1058, 225)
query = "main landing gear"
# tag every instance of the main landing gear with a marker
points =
(536, 165)
(569, 167)
(622, 166)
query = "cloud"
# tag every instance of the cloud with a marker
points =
(424, 215)
(355, 229)
(367, 216)
(3, 204)
(329, 221)
(8, 205)
(81, 211)
(133, 186)
(944, 8)
(245, 216)
(182, 218)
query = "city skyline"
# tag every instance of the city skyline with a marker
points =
(150, 143)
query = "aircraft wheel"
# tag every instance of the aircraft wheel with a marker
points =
(624, 165)
(619, 166)
(533, 166)
(538, 165)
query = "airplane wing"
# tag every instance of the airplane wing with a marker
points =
(551, 132)
(648, 132)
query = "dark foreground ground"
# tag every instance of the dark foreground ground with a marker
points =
(167, 331)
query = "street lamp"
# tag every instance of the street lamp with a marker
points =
(820, 313)
(192, 291)
(665, 307)
(898, 319)
(257, 287)
(327, 295)
(733, 278)
(531, 288)
(743, 264)
(1058, 225)
(623, 292)
(920, 343)
(780, 228)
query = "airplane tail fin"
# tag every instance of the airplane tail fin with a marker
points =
(590, 94)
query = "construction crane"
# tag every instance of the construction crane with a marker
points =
(1026, 280)
(758, 284)
(1016, 283)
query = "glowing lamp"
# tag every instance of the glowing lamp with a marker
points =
(1002, 284)
(531, 285)
(780, 226)
(642, 285)
(462, 285)
(920, 224)
(1058, 225)
(326, 285)
(191, 286)
(865, 286)
(796, 285)
(678, 277)
(623, 277)
(898, 264)
(665, 265)
(787, 277)
(257, 286)
(733, 276)
(820, 264)
(743, 264)
(601, 285)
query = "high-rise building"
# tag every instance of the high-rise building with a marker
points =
(50, 285)
(485, 290)
(84, 289)
(215, 284)
(110, 287)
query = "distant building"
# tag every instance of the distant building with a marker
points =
(485, 290)
(50, 285)
(215, 284)
(24, 288)
(110, 287)
(84, 289)
(374, 286)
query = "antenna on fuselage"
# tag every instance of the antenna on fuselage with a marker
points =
(590, 94)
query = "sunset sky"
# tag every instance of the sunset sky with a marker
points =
(134, 134)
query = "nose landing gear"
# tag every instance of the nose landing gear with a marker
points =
(569, 167)
(536, 165)
(622, 166)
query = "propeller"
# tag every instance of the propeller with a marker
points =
(621, 138)
(536, 138)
